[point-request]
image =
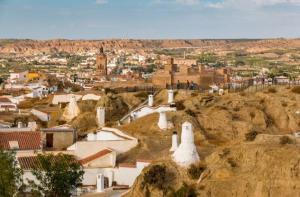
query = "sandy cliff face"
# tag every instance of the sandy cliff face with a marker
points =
(29, 47)
(262, 169)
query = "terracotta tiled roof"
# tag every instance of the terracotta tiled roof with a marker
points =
(27, 163)
(95, 156)
(127, 165)
(144, 160)
(26, 140)
(4, 100)
(8, 106)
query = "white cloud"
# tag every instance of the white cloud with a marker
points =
(188, 2)
(274, 2)
(101, 1)
(182, 2)
(241, 4)
(216, 5)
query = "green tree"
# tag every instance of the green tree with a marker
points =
(10, 174)
(57, 175)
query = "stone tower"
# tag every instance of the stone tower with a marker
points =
(101, 63)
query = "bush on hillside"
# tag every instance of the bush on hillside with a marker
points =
(191, 113)
(285, 140)
(195, 171)
(185, 191)
(272, 90)
(231, 162)
(142, 95)
(251, 135)
(296, 89)
(156, 177)
(180, 105)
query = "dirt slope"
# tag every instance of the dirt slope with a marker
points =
(235, 167)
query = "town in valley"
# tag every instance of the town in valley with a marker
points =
(149, 117)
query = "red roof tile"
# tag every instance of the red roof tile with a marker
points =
(4, 100)
(29, 162)
(127, 165)
(26, 140)
(95, 156)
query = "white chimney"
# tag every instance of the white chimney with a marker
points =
(162, 122)
(150, 100)
(186, 154)
(101, 116)
(20, 125)
(110, 178)
(100, 183)
(174, 142)
(32, 125)
(170, 96)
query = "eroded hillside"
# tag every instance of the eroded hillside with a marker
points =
(237, 164)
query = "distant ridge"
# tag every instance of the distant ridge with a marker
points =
(28, 46)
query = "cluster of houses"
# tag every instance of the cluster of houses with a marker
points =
(98, 152)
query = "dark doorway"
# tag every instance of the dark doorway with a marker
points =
(106, 182)
(49, 140)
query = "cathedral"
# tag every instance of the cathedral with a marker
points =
(182, 71)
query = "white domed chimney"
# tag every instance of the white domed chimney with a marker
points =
(170, 96)
(186, 154)
(174, 142)
(150, 100)
(162, 122)
(101, 116)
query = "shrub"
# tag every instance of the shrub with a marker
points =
(194, 94)
(269, 120)
(252, 114)
(224, 153)
(251, 135)
(285, 140)
(296, 89)
(142, 95)
(61, 122)
(185, 191)
(272, 90)
(195, 171)
(231, 162)
(190, 112)
(236, 109)
(156, 177)
(242, 93)
(180, 105)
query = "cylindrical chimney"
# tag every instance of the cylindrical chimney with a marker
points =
(170, 96)
(20, 125)
(101, 116)
(150, 100)
(162, 122)
(174, 142)
(100, 183)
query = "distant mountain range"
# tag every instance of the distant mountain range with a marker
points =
(29, 47)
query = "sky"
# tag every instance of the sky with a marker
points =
(149, 19)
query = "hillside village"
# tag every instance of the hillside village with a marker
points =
(160, 121)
